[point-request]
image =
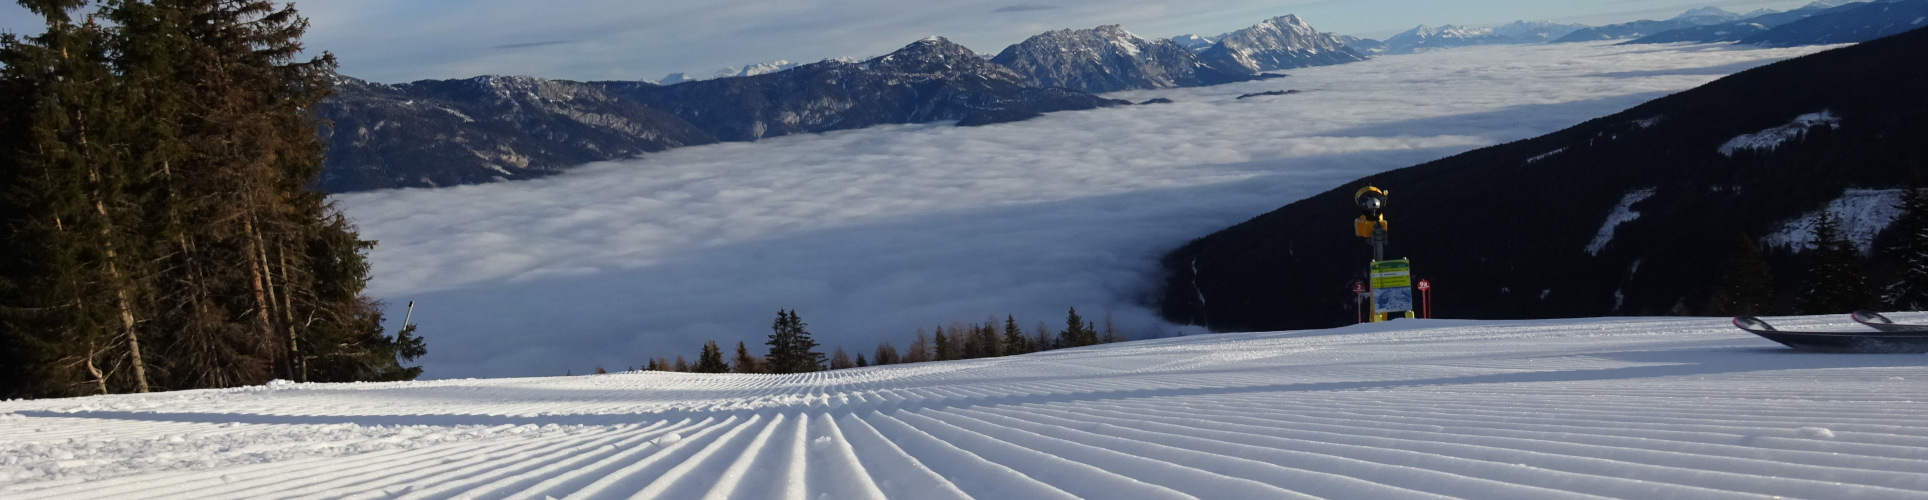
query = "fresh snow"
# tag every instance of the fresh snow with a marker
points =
(1587, 408)
(1861, 213)
(1767, 140)
(1622, 214)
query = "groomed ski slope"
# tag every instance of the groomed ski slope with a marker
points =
(1624, 408)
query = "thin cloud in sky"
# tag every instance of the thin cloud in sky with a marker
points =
(389, 41)
(1024, 8)
(533, 44)
(873, 233)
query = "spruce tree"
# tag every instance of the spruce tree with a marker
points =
(991, 345)
(886, 354)
(944, 348)
(1014, 339)
(1910, 291)
(744, 362)
(1077, 332)
(1747, 287)
(711, 359)
(861, 362)
(1836, 281)
(1045, 340)
(791, 348)
(162, 233)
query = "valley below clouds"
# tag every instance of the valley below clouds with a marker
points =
(870, 234)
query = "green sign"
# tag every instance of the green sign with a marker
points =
(1392, 274)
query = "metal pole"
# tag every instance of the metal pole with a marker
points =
(411, 314)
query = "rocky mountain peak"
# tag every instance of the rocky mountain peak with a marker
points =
(1278, 43)
(940, 57)
(1108, 58)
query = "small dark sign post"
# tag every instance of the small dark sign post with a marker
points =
(1426, 294)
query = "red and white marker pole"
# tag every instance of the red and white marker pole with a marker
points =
(1426, 297)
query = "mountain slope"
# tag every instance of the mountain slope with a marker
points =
(929, 80)
(1847, 24)
(448, 132)
(1519, 32)
(1282, 42)
(1632, 213)
(1107, 59)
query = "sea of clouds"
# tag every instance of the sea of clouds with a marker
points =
(870, 234)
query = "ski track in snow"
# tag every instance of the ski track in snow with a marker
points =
(1617, 407)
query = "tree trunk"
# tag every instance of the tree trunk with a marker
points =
(257, 281)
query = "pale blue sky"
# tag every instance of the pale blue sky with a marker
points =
(403, 40)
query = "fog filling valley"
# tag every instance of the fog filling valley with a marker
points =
(871, 234)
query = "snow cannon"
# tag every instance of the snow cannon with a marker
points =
(1372, 205)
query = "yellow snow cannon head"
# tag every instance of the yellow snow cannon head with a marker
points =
(1371, 201)
(1372, 205)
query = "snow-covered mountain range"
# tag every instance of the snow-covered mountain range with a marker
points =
(1107, 59)
(1282, 42)
(1425, 37)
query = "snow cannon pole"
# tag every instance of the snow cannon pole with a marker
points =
(1391, 281)
(411, 314)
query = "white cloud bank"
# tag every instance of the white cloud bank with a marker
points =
(873, 233)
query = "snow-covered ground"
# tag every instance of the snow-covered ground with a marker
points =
(1619, 407)
(871, 234)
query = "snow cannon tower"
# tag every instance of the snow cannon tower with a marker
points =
(1391, 279)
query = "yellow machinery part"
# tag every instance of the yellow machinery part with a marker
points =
(1363, 226)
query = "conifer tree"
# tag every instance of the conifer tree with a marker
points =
(966, 337)
(1747, 288)
(682, 365)
(886, 354)
(991, 345)
(652, 366)
(744, 361)
(161, 230)
(711, 359)
(1836, 281)
(791, 348)
(942, 345)
(1014, 339)
(1910, 291)
(1077, 332)
(861, 362)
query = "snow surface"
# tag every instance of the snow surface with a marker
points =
(1772, 138)
(1861, 213)
(1622, 408)
(870, 234)
(1621, 214)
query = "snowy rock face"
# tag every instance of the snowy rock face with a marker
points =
(1768, 140)
(1861, 213)
(1282, 42)
(1107, 59)
(1707, 15)
(1195, 43)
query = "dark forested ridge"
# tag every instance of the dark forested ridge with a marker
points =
(1503, 232)
(155, 159)
(446, 132)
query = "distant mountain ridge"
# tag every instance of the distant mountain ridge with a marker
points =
(1629, 214)
(1109, 59)
(1282, 42)
(440, 133)
(1519, 32)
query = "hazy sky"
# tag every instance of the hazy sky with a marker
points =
(404, 40)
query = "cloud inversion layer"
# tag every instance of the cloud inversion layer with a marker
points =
(873, 233)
